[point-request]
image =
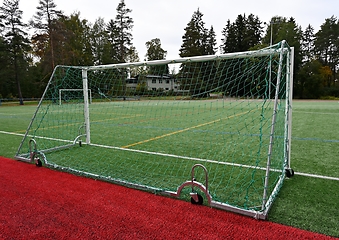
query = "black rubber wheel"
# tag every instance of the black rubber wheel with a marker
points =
(38, 163)
(289, 172)
(200, 200)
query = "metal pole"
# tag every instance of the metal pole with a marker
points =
(86, 105)
(288, 107)
(270, 76)
(290, 99)
(274, 116)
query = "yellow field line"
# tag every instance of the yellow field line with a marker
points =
(184, 130)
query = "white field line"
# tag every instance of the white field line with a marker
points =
(316, 176)
(323, 113)
(47, 138)
(213, 161)
(182, 157)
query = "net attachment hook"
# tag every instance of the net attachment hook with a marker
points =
(80, 134)
(33, 153)
(195, 197)
(80, 131)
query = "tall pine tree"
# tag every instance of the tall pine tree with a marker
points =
(307, 44)
(123, 32)
(46, 29)
(195, 37)
(243, 34)
(211, 42)
(197, 41)
(17, 42)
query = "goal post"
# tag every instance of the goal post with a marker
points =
(215, 131)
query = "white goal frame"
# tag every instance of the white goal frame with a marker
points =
(267, 197)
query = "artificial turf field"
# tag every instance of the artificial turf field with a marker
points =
(307, 201)
(153, 143)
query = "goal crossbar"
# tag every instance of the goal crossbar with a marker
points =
(247, 54)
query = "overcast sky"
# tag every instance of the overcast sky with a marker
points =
(166, 19)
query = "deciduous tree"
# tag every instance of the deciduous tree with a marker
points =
(327, 45)
(156, 52)
(74, 46)
(100, 43)
(308, 81)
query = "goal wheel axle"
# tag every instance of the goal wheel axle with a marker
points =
(196, 199)
(38, 162)
(289, 172)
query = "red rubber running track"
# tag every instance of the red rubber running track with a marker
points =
(40, 203)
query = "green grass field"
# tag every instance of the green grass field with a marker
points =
(305, 201)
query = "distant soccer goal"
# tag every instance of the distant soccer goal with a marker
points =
(216, 132)
(71, 95)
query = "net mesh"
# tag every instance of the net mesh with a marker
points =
(147, 127)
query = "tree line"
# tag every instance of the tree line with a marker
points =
(30, 51)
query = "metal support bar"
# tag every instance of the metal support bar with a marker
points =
(290, 99)
(86, 105)
(32, 150)
(274, 117)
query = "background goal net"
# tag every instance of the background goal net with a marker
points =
(69, 95)
(217, 131)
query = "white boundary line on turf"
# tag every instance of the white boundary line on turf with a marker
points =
(316, 176)
(11, 133)
(183, 157)
(22, 135)
(213, 161)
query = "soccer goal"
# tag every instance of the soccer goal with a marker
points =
(216, 131)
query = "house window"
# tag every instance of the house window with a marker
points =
(160, 80)
(167, 81)
(154, 89)
(154, 81)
